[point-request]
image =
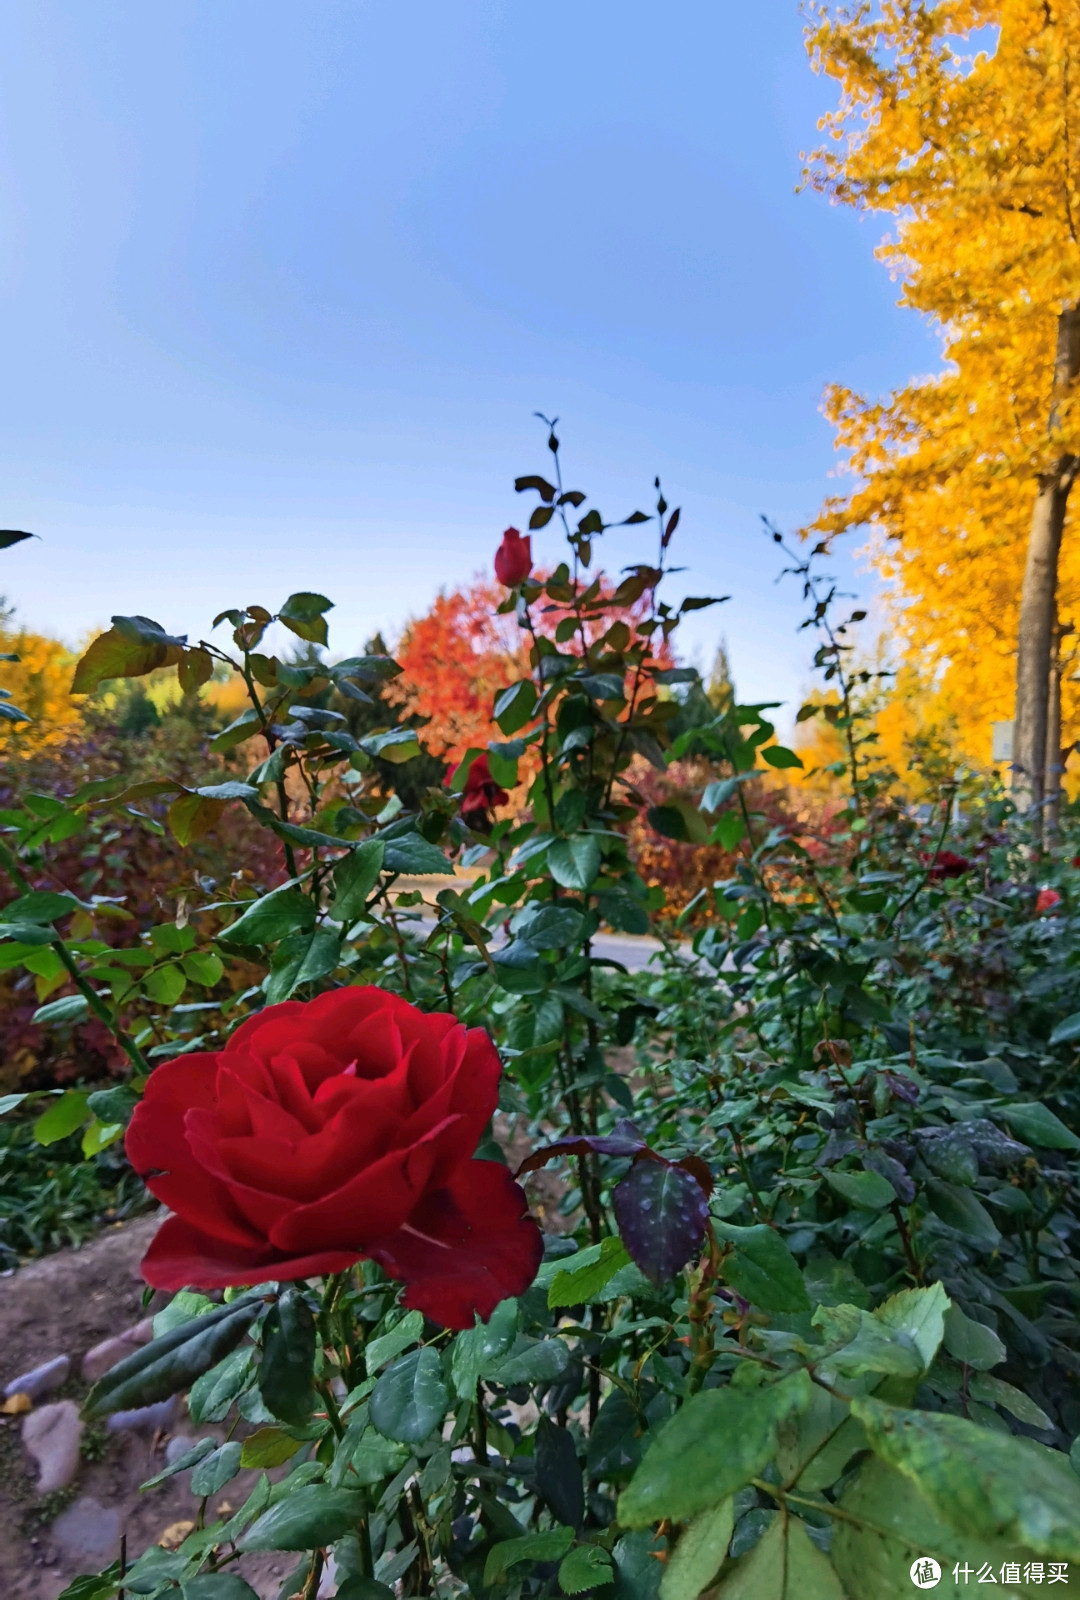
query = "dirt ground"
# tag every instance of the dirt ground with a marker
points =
(62, 1305)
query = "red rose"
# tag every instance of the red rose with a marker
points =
(945, 864)
(1046, 900)
(329, 1130)
(480, 795)
(513, 558)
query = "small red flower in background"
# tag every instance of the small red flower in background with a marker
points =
(1046, 900)
(327, 1131)
(480, 795)
(946, 864)
(513, 558)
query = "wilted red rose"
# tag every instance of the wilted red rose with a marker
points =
(945, 864)
(513, 558)
(326, 1131)
(1046, 900)
(480, 795)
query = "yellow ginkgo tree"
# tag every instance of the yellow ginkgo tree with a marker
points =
(965, 477)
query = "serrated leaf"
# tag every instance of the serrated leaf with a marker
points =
(985, 1484)
(354, 878)
(762, 1269)
(696, 1558)
(550, 1545)
(920, 1314)
(410, 1400)
(272, 917)
(215, 1470)
(1066, 1030)
(577, 1285)
(286, 1372)
(62, 1117)
(269, 1447)
(479, 1349)
(574, 862)
(303, 615)
(868, 1190)
(661, 1211)
(377, 1352)
(587, 1566)
(1038, 1125)
(785, 1564)
(308, 1517)
(972, 1342)
(710, 1449)
(415, 857)
(168, 1364)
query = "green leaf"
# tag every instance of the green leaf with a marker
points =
(972, 1342)
(99, 1136)
(514, 706)
(778, 755)
(192, 816)
(710, 1449)
(286, 1372)
(730, 830)
(215, 1470)
(269, 1447)
(415, 857)
(985, 1484)
(354, 878)
(302, 958)
(679, 820)
(586, 1567)
(574, 862)
(1067, 1030)
(246, 726)
(93, 1585)
(204, 967)
(868, 1190)
(306, 1518)
(62, 1117)
(958, 1208)
(637, 1570)
(377, 1352)
(41, 906)
(73, 1008)
(696, 1558)
(218, 1586)
(577, 1285)
(919, 1313)
(10, 536)
(190, 1458)
(124, 654)
(1038, 1125)
(167, 1365)
(551, 1545)
(303, 614)
(360, 1588)
(396, 745)
(478, 1350)
(785, 1564)
(410, 1400)
(996, 1392)
(215, 1392)
(762, 1269)
(531, 1361)
(165, 985)
(272, 917)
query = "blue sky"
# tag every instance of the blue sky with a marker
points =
(281, 286)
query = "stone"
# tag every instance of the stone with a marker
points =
(52, 1436)
(142, 1332)
(104, 1356)
(39, 1380)
(88, 1533)
(178, 1446)
(143, 1419)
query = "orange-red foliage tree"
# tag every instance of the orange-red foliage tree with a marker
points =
(455, 660)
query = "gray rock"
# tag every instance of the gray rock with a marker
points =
(143, 1419)
(142, 1332)
(52, 1436)
(178, 1446)
(39, 1380)
(88, 1533)
(104, 1356)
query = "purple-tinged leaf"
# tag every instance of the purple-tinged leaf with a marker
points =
(661, 1211)
(624, 1140)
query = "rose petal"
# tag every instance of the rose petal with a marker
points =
(183, 1257)
(465, 1247)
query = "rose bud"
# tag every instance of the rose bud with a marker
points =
(513, 558)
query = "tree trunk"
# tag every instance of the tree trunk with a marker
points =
(1038, 598)
(1055, 763)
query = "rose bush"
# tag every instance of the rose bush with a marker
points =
(331, 1130)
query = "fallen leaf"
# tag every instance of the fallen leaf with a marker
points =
(175, 1534)
(17, 1405)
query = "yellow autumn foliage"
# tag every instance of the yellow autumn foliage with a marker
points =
(977, 160)
(38, 683)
